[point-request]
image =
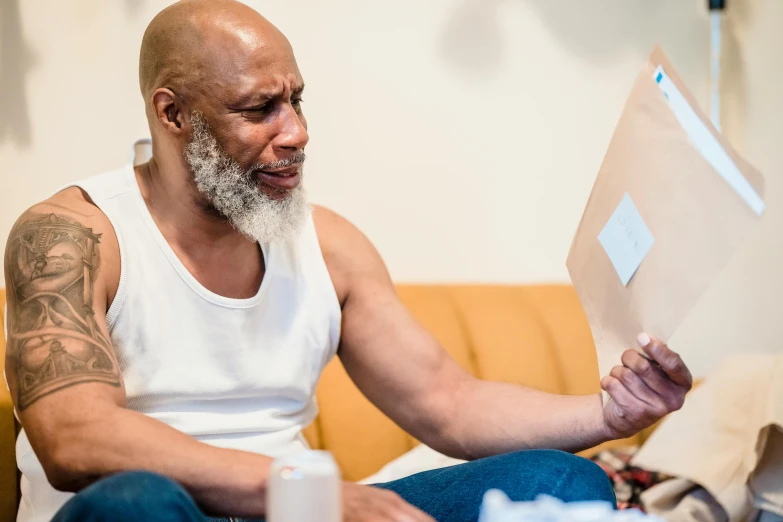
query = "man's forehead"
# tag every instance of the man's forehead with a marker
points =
(243, 59)
(250, 89)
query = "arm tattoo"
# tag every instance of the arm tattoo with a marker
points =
(54, 341)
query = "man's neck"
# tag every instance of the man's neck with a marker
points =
(219, 257)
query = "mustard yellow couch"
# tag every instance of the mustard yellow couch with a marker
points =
(532, 335)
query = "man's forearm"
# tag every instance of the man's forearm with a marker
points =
(112, 439)
(492, 418)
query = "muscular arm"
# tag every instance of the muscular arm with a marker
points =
(403, 370)
(408, 375)
(64, 375)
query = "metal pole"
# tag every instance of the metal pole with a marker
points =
(716, 8)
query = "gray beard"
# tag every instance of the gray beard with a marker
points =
(232, 192)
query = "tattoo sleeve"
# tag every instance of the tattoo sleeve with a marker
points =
(54, 341)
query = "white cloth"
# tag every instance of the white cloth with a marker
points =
(234, 373)
(496, 507)
(421, 458)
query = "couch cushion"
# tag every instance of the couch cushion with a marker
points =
(507, 338)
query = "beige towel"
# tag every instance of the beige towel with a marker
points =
(725, 437)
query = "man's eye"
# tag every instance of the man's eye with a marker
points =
(260, 109)
(297, 102)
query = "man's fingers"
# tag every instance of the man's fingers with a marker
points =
(642, 390)
(654, 377)
(376, 504)
(418, 515)
(670, 362)
(402, 511)
(415, 514)
(618, 392)
(639, 389)
(631, 410)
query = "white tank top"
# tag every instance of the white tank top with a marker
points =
(234, 373)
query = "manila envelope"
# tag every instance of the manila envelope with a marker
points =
(671, 204)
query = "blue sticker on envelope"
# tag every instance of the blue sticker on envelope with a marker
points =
(626, 239)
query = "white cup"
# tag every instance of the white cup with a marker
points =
(304, 487)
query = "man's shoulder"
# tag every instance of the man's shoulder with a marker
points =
(348, 253)
(339, 237)
(73, 205)
(331, 226)
(72, 209)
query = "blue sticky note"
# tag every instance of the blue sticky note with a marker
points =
(626, 239)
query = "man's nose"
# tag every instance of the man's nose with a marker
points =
(293, 131)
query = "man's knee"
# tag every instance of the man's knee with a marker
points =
(132, 495)
(565, 476)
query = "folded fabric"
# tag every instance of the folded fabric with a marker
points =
(720, 437)
(766, 483)
(680, 500)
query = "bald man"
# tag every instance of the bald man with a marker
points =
(168, 322)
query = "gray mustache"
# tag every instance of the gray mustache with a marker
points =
(295, 158)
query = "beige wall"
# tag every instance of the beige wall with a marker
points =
(462, 136)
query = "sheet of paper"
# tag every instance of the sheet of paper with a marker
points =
(695, 196)
(626, 239)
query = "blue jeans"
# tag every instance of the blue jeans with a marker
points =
(450, 494)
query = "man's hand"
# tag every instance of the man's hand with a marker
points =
(644, 390)
(369, 504)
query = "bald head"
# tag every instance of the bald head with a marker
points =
(190, 44)
(223, 97)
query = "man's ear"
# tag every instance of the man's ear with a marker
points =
(168, 109)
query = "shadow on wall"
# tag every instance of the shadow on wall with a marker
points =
(133, 6)
(598, 31)
(16, 61)
(601, 31)
(472, 41)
